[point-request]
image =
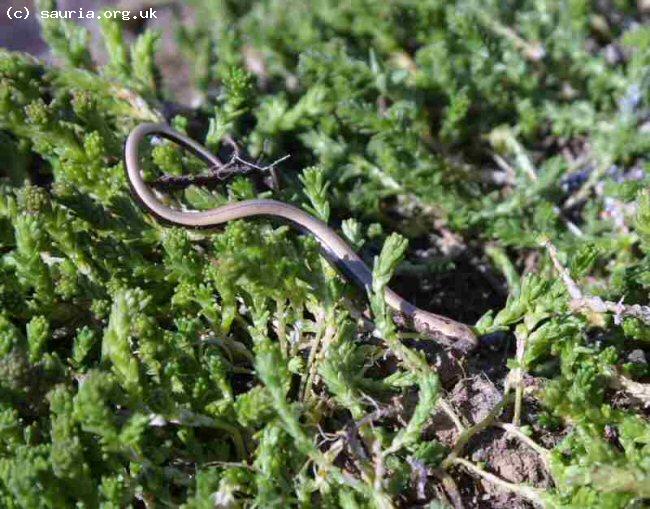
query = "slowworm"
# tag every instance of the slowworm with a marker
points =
(440, 328)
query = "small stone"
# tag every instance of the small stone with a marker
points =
(637, 357)
(613, 54)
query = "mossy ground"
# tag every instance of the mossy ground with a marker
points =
(143, 365)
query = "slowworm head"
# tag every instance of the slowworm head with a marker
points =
(457, 335)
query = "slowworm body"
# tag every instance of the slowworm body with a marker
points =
(440, 328)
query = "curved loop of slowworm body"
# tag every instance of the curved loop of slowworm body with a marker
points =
(441, 328)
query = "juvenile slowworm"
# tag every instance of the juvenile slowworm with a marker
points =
(440, 328)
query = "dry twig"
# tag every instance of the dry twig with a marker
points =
(580, 302)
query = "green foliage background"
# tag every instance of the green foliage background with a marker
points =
(141, 364)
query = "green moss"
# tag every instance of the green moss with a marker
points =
(140, 363)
